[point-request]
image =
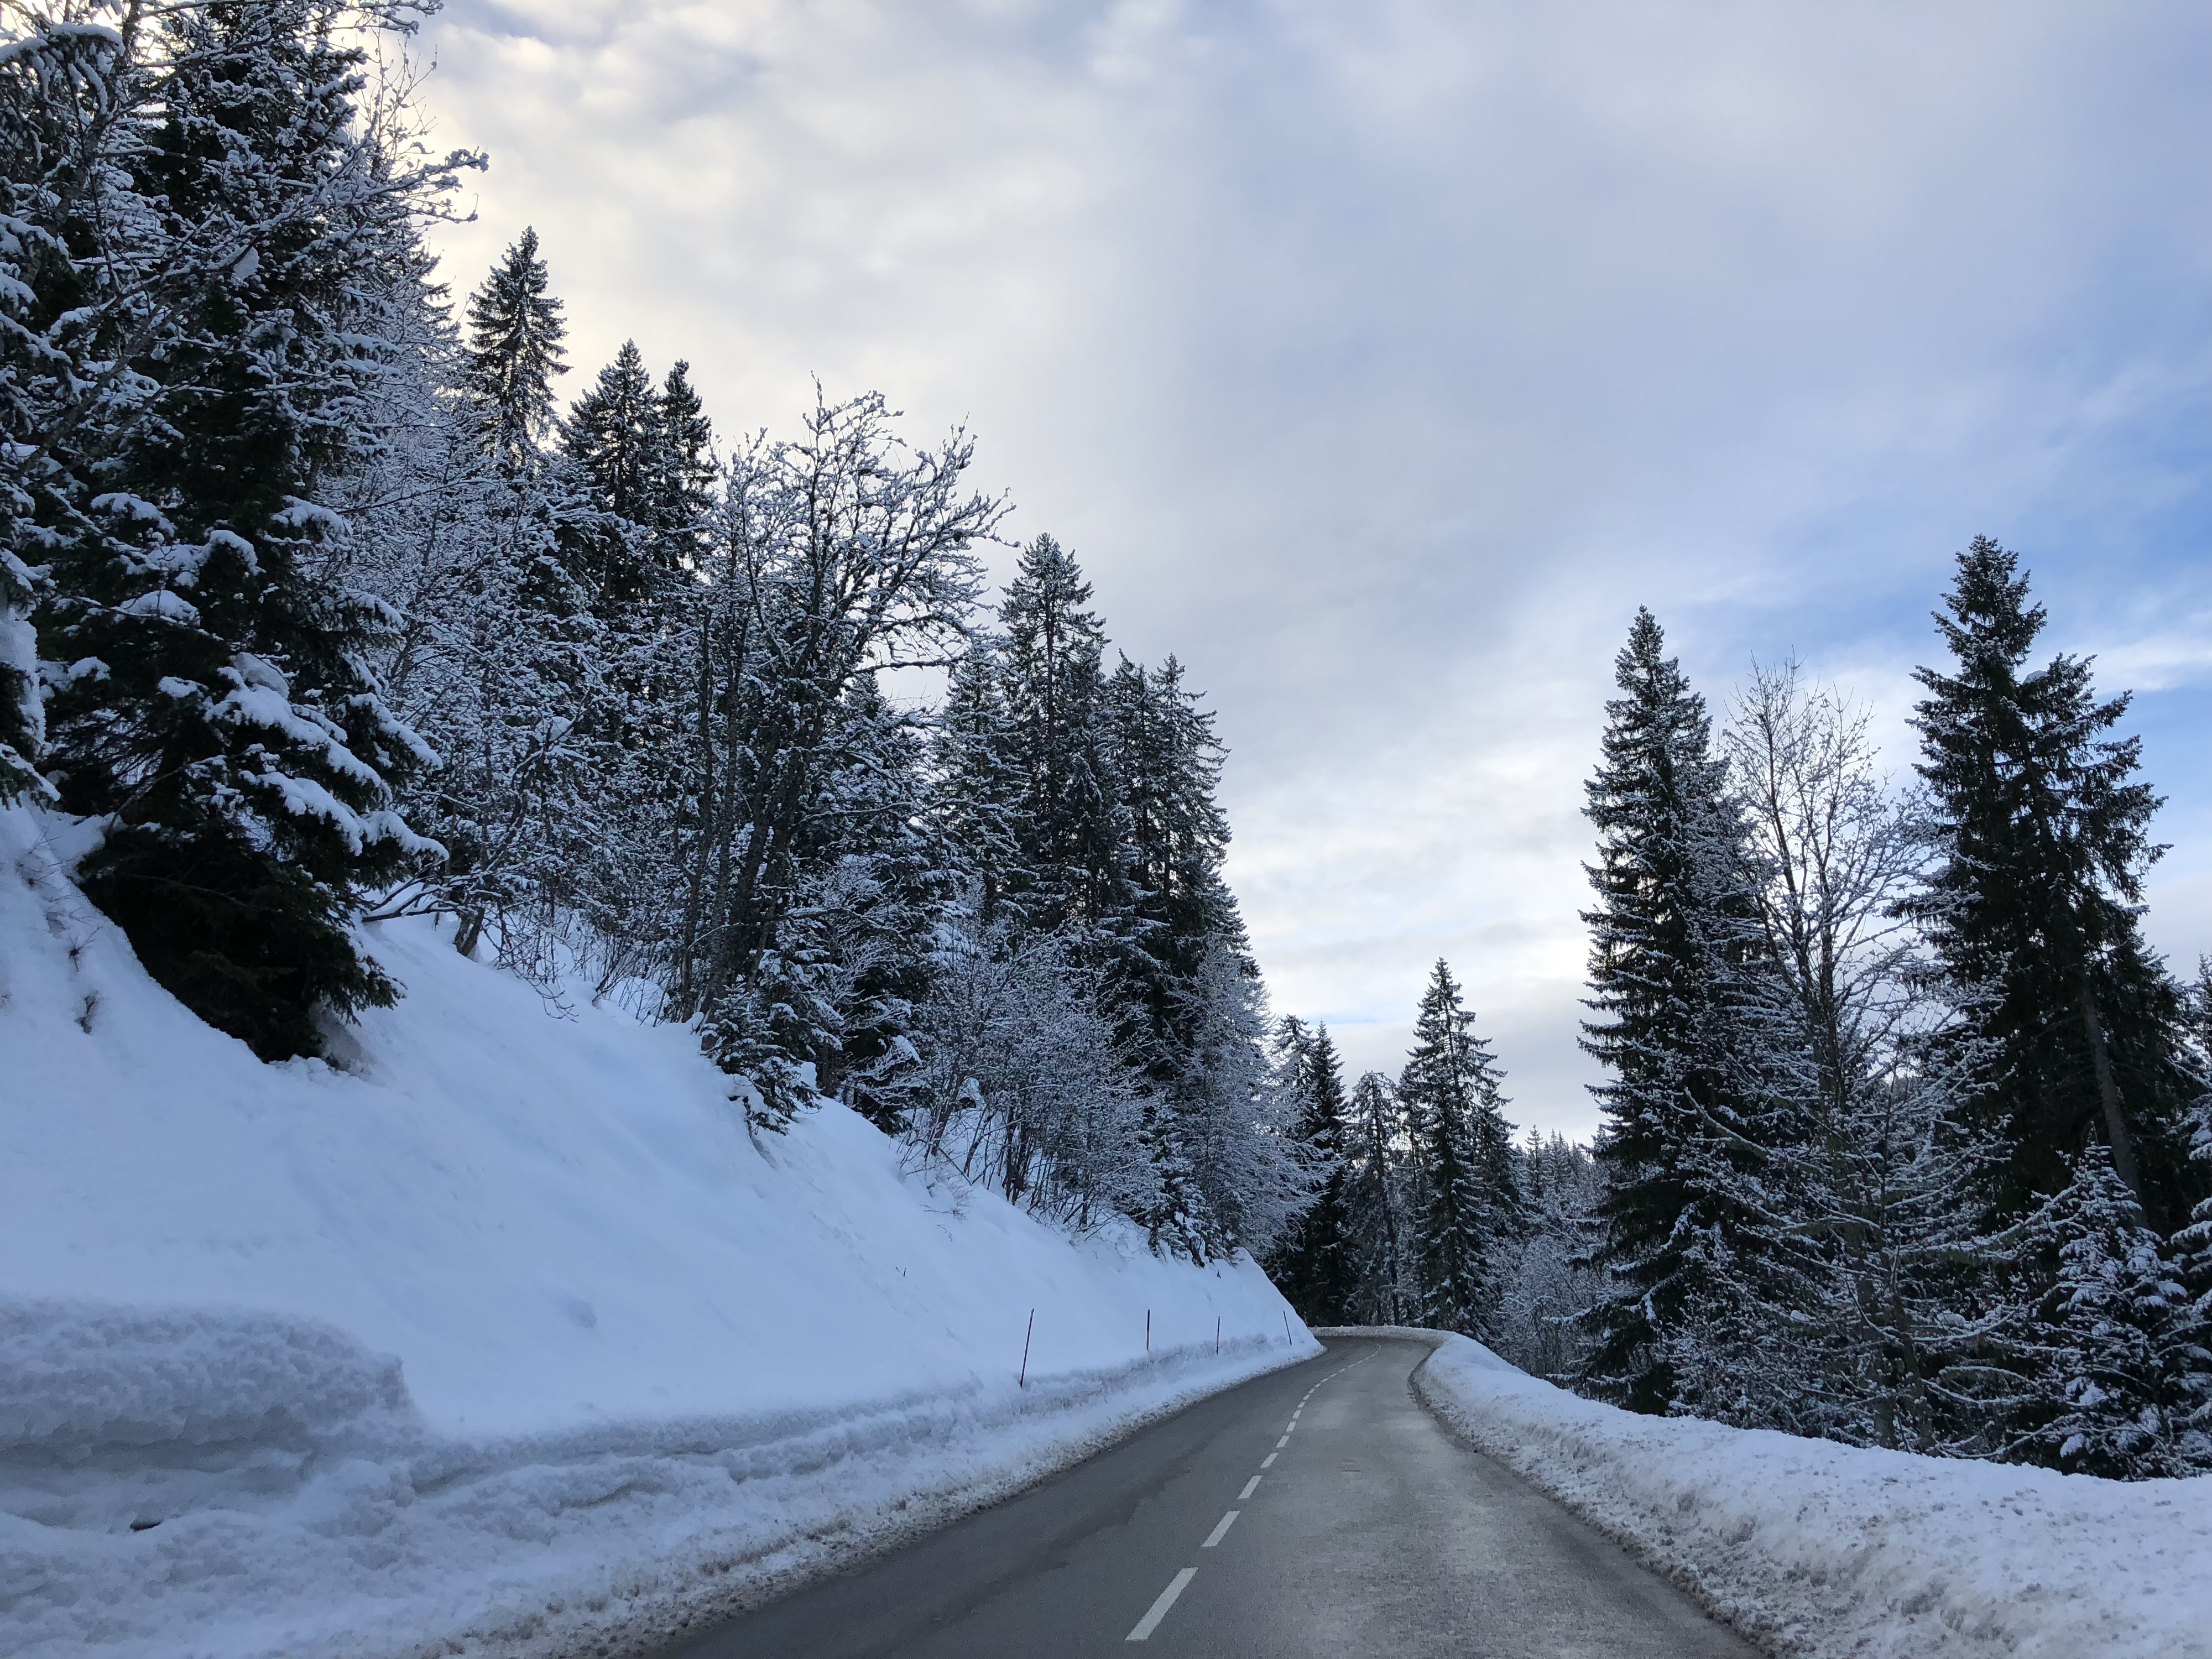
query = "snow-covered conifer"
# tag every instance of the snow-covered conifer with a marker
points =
(1312, 1262)
(1470, 1203)
(1074, 842)
(1374, 1206)
(217, 707)
(2104, 1399)
(515, 331)
(1692, 1243)
(2040, 828)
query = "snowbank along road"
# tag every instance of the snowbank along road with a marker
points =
(1317, 1511)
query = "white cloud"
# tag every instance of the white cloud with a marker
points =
(1379, 358)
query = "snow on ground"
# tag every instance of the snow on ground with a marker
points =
(501, 1336)
(1820, 1551)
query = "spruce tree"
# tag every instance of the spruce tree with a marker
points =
(975, 799)
(2042, 831)
(219, 711)
(681, 496)
(514, 351)
(2109, 1397)
(22, 717)
(1470, 1203)
(613, 443)
(1074, 854)
(1312, 1264)
(1690, 1241)
(1374, 1204)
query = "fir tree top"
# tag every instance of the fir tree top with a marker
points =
(515, 351)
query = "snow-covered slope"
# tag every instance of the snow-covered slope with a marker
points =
(1822, 1550)
(505, 1310)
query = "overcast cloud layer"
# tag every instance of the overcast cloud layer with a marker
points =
(1378, 359)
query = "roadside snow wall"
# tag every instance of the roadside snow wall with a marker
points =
(1819, 1551)
(501, 1335)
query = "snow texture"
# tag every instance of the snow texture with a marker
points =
(1820, 1551)
(499, 1335)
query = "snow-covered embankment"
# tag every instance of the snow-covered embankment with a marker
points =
(501, 1335)
(1820, 1551)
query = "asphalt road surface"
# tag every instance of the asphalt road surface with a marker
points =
(1319, 1510)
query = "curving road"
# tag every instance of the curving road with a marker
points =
(1319, 1510)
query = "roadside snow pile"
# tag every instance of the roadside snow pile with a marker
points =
(1822, 1550)
(503, 1338)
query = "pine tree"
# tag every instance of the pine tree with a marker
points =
(58, 91)
(2103, 1346)
(220, 710)
(515, 331)
(1374, 1206)
(1312, 1264)
(22, 717)
(612, 444)
(1470, 1206)
(2042, 831)
(1074, 856)
(681, 499)
(975, 800)
(1690, 1241)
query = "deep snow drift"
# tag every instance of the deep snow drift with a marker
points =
(1820, 1551)
(501, 1334)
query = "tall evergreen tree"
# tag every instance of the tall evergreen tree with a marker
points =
(515, 331)
(2042, 834)
(613, 443)
(2108, 1397)
(1689, 1236)
(1375, 1205)
(1074, 854)
(1470, 1202)
(219, 710)
(1312, 1263)
(682, 497)
(976, 796)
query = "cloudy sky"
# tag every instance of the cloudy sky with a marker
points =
(1379, 357)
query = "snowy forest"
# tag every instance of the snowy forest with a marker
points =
(322, 604)
(326, 599)
(1906, 1132)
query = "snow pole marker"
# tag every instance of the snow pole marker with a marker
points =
(1148, 1330)
(1023, 1381)
(1287, 1337)
(1217, 1332)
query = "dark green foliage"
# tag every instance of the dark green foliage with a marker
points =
(1469, 1206)
(2041, 829)
(2111, 1389)
(218, 709)
(1073, 859)
(613, 445)
(1313, 1263)
(1374, 1210)
(1674, 944)
(515, 332)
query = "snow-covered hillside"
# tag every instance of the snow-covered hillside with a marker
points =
(1826, 1552)
(506, 1313)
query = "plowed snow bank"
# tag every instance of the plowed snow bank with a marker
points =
(501, 1336)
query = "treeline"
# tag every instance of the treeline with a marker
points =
(318, 606)
(1908, 1137)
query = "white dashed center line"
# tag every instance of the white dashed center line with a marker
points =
(1150, 1621)
(1220, 1526)
(1250, 1487)
(1284, 1442)
(1269, 1458)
